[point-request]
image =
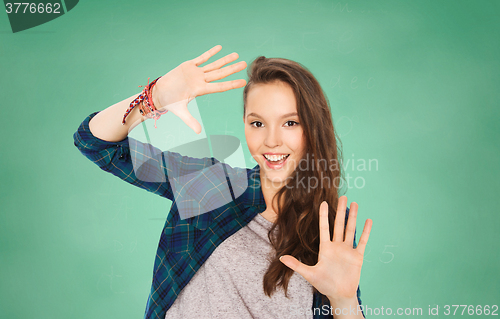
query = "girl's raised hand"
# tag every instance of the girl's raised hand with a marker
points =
(337, 272)
(178, 87)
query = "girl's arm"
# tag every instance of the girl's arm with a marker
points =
(107, 124)
(172, 92)
(103, 139)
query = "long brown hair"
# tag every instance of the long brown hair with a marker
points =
(297, 220)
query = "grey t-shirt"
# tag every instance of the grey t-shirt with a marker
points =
(229, 283)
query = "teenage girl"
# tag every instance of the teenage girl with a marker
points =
(286, 247)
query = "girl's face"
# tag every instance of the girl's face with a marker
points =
(272, 129)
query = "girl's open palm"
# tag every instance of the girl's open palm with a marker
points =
(337, 272)
(178, 87)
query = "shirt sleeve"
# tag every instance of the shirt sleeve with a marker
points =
(137, 163)
(115, 158)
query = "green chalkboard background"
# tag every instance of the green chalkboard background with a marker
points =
(413, 86)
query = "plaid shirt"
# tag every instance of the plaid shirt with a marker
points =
(185, 244)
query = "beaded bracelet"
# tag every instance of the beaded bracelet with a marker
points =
(148, 108)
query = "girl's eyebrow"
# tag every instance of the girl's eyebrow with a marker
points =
(284, 115)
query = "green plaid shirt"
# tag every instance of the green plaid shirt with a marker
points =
(185, 244)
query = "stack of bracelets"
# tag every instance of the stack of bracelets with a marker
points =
(146, 105)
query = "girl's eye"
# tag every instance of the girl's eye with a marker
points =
(256, 124)
(291, 123)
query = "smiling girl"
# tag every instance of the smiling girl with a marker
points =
(284, 248)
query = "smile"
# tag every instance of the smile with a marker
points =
(275, 161)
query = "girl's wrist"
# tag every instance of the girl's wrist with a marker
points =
(155, 98)
(342, 303)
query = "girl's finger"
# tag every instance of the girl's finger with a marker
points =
(222, 73)
(225, 86)
(338, 228)
(292, 263)
(207, 55)
(351, 223)
(324, 228)
(220, 63)
(364, 236)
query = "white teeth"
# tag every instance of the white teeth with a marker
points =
(274, 158)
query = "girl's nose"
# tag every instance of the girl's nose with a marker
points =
(273, 138)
